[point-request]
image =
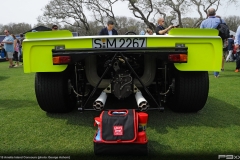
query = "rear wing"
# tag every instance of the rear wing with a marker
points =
(204, 47)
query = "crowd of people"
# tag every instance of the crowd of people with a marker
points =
(212, 22)
(13, 46)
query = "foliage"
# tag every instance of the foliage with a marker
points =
(75, 12)
(15, 28)
(233, 22)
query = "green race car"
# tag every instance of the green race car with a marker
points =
(170, 70)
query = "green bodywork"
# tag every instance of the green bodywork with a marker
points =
(204, 48)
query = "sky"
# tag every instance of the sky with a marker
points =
(17, 11)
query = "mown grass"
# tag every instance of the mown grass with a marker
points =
(26, 130)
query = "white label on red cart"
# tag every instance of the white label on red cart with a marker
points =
(117, 130)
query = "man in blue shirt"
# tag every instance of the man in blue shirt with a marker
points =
(237, 43)
(212, 22)
(8, 46)
(109, 30)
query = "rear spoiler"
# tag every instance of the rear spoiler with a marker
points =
(204, 48)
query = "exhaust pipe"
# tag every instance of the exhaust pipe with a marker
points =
(141, 102)
(99, 103)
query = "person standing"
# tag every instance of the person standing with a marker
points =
(212, 22)
(230, 48)
(16, 50)
(109, 30)
(8, 46)
(237, 43)
(160, 30)
(20, 47)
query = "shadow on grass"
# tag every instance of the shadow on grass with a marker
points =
(3, 78)
(10, 104)
(86, 118)
(216, 114)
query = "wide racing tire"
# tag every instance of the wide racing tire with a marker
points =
(191, 91)
(53, 92)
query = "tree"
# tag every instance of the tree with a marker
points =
(42, 22)
(71, 12)
(1, 28)
(189, 22)
(102, 10)
(181, 7)
(16, 28)
(76, 13)
(143, 10)
(174, 9)
(233, 22)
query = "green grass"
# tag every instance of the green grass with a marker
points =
(26, 130)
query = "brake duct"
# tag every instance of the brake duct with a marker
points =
(147, 78)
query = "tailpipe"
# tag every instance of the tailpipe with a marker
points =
(141, 102)
(99, 103)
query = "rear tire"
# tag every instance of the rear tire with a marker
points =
(53, 92)
(191, 91)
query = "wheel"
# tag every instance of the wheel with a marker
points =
(191, 91)
(53, 92)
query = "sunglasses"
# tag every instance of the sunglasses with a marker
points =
(5, 32)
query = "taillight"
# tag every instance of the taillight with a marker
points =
(61, 60)
(181, 58)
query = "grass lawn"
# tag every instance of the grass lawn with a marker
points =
(26, 130)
